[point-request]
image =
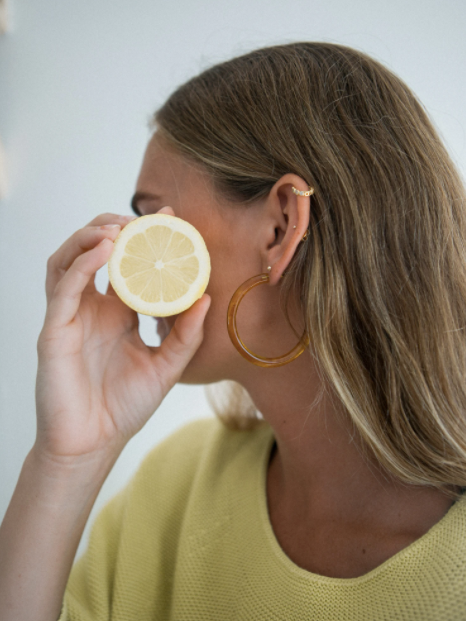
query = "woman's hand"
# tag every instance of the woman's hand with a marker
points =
(97, 382)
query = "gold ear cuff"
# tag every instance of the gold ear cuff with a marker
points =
(301, 192)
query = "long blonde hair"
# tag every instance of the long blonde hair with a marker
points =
(382, 279)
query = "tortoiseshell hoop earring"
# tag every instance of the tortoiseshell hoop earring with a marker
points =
(236, 298)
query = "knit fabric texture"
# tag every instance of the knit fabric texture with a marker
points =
(189, 539)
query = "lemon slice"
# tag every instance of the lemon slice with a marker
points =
(160, 265)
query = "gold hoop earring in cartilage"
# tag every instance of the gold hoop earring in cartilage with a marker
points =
(301, 192)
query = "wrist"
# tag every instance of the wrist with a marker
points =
(66, 480)
(69, 465)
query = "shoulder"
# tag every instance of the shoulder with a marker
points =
(176, 508)
(184, 484)
(204, 448)
(196, 444)
(184, 445)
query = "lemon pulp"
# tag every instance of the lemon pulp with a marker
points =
(160, 265)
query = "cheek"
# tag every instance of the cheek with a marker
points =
(229, 268)
(231, 265)
(220, 290)
(216, 286)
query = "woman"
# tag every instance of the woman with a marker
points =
(314, 166)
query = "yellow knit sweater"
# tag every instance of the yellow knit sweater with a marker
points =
(189, 539)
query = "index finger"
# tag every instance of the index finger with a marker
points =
(110, 218)
(82, 240)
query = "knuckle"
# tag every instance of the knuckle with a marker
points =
(57, 289)
(172, 360)
(79, 237)
(49, 284)
(177, 357)
(42, 340)
(51, 262)
(97, 220)
(101, 218)
(183, 343)
(106, 218)
(160, 379)
(46, 340)
(61, 288)
(80, 264)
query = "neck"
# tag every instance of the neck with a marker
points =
(318, 465)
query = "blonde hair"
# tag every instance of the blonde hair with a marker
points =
(382, 278)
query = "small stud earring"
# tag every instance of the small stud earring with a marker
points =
(269, 268)
(294, 226)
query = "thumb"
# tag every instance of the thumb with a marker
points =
(180, 345)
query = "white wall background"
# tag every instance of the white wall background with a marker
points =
(78, 81)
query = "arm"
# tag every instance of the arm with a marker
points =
(41, 532)
(97, 385)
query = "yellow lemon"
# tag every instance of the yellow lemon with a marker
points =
(160, 265)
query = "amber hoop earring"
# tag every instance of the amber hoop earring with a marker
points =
(236, 298)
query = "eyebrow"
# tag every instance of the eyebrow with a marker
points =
(140, 196)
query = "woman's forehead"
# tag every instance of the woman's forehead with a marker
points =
(163, 166)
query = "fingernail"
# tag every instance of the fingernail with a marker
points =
(108, 227)
(129, 218)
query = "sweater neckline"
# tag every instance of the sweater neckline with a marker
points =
(276, 552)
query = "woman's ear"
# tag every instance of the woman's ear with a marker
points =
(290, 217)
